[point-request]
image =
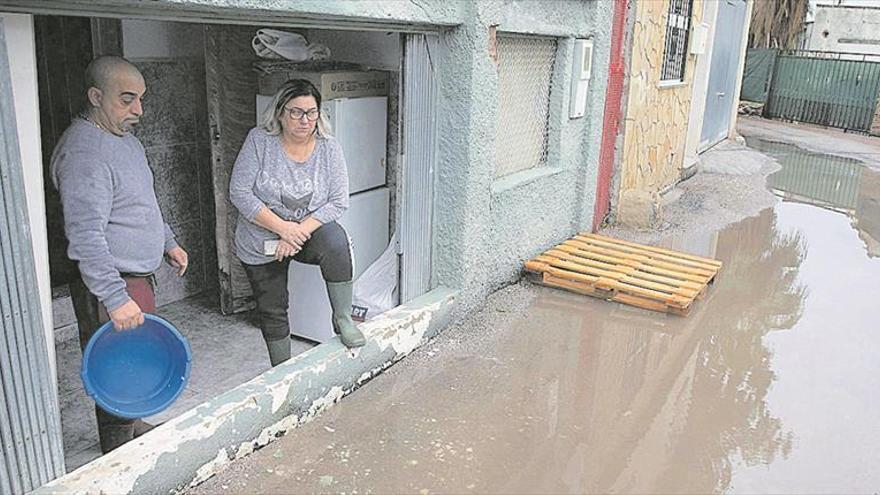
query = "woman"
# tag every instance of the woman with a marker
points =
(290, 185)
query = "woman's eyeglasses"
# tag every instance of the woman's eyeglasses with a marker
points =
(298, 113)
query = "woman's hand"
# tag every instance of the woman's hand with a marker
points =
(294, 233)
(284, 250)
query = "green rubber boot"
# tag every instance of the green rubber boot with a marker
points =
(279, 351)
(340, 301)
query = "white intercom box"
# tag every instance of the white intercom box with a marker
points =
(580, 77)
(699, 38)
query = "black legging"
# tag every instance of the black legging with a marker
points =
(328, 247)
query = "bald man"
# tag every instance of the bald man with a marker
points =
(112, 221)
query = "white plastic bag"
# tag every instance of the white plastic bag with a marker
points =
(275, 44)
(374, 289)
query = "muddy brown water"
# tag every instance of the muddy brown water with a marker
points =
(769, 386)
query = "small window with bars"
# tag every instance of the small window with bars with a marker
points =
(678, 25)
(525, 70)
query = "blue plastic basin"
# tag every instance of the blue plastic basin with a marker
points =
(139, 372)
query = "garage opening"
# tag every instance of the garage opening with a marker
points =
(205, 89)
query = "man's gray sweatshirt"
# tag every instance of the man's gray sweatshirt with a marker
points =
(111, 215)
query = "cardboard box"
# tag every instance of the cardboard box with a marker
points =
(354, 84)
(332, 83)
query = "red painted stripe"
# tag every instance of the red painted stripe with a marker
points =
(611, 124)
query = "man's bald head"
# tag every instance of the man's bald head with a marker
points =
(103, 70)
(114, 89)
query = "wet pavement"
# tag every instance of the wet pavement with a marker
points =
(769, 386)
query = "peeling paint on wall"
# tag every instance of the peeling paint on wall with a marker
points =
(210, 468)
(402, 339)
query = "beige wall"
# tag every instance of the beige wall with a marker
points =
(657, 117)
(656, 120)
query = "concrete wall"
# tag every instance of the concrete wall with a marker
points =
(845, 29)
(486, 227)
(847, 3)
(156, 39)
(656, 119)
(378, 49)
(374, 14)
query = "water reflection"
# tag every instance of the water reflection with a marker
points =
(677, 400)
(759, 294)
(840, 184)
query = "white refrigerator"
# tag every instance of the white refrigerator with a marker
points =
(360, 126)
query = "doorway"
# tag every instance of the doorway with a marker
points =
(204, 87)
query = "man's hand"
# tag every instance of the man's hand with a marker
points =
(285, 249)
(127, 316)
(178, 258)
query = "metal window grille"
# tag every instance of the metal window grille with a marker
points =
(525, 69)
(678, 25)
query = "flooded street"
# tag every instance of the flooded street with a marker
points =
(770, 385)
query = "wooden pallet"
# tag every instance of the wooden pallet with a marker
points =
(644, 276)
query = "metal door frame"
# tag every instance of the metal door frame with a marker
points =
(30, 423)
(418, 159)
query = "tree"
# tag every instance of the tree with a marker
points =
(777, 23)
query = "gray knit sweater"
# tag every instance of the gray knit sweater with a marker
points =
(264, 175)
(111, 216)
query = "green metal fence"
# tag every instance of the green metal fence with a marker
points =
(826, 89)
(757, 74)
